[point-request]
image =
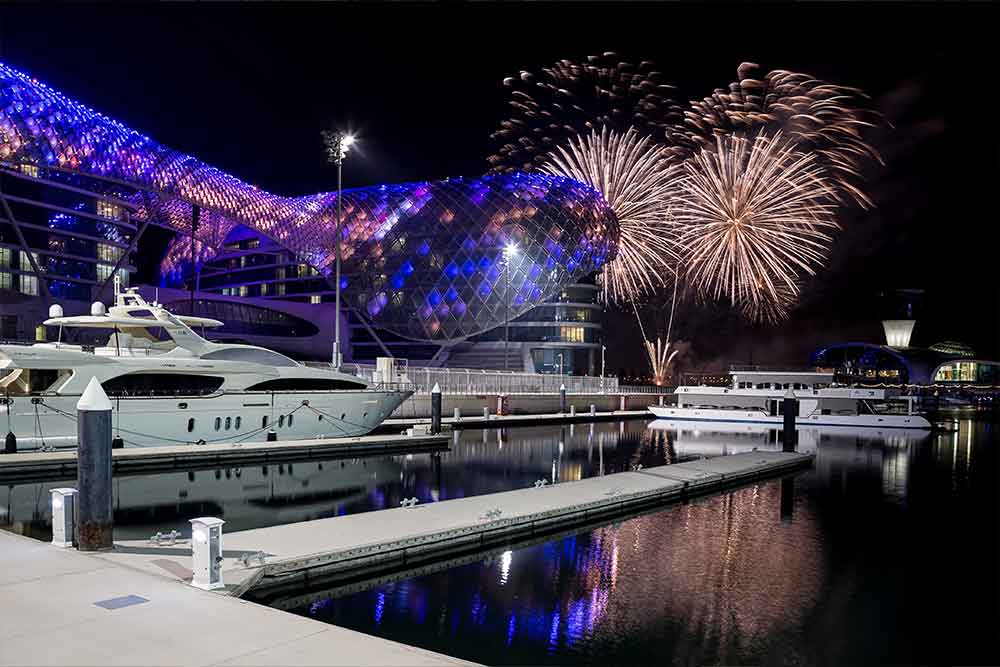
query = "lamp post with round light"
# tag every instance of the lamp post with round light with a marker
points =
(508, 252)
(337, 145)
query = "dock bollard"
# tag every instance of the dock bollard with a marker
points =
(435, 409)
(63, 516)
(790, 408)
(572, 411)
(623, 402)
(562, 399)
(206, 553)
(486, 412)
(10, 442)
(593, 410)
(458, 414)
(94, 519)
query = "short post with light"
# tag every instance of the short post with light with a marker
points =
(206, 553)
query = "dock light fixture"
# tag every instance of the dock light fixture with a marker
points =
(337, 144)
(206, 553)
(63, 516)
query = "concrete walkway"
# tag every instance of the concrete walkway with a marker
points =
(395, 537)
(50, 615)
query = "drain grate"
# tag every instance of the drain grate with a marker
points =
(118, 603)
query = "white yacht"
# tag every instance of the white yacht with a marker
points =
(758, 397)
(168, 385)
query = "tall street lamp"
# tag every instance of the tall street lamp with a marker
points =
(337, 144)
(508, 252)
(604, 349)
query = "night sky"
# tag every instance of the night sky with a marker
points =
(248, 88)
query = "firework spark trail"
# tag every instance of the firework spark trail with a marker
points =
(820, 117)
(571, 98)
(635, 177)
(754, 215)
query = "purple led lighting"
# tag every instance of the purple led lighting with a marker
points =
(405, 245)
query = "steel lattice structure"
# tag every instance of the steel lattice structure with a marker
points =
(423, 260)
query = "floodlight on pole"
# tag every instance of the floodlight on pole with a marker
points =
(509, 251)
(337, 143)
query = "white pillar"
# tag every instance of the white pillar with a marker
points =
(206, 552)
(63, 516)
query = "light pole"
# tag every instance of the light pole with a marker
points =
(603, 350)
(509, 251)
(337, 144)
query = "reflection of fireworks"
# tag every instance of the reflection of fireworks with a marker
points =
(634, 176)
(818, 116)
(755, 214)
(571, 98)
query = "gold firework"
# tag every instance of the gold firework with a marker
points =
(635, 177)
(754, 215)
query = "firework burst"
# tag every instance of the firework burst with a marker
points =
(756, 215)
(571, 98)
(820, 117)
(635, 176)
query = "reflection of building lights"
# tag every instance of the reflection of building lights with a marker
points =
(505, 559)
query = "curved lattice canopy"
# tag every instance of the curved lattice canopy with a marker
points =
(424, 260)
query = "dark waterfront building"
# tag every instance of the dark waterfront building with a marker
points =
(427, 268)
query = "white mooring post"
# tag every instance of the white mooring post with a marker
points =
(458, 414)
(63, 516)
(206, 553)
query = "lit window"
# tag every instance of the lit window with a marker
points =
(5, 280)
(281, 273)
(30, 170)
(108, 253)
(243, 261)
(243, 290)
(106, 209)
(123, 275)
(5, 257)
(264, 289)
(104, 271)
(280, 290)
(253, 243)
(26, 261)
(29, 285)
(315, 298)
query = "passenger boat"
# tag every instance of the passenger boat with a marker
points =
(169, 385)
(758, 397)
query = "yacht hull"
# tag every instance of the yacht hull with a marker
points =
(757, 417)
(50, 421)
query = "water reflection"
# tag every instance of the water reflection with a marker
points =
(808, 570)
(480, 461)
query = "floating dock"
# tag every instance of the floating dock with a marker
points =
(498, 421)
(372, 543)
(63, 607)
(62, 464)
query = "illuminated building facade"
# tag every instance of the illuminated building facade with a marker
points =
(424, 261)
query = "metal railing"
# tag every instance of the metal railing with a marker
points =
(478, 381)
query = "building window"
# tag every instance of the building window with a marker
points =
(243, 290)
(571, 334)
(253, 243)
(30, 170)
(26, 261)
(104, 271)
(123, 275)
(108, 253)
(280, 273)
(5, 257)
(5, 281)
(29, 285)
(264, 289)
(315, 298)
(106, 209)
(280, 289)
